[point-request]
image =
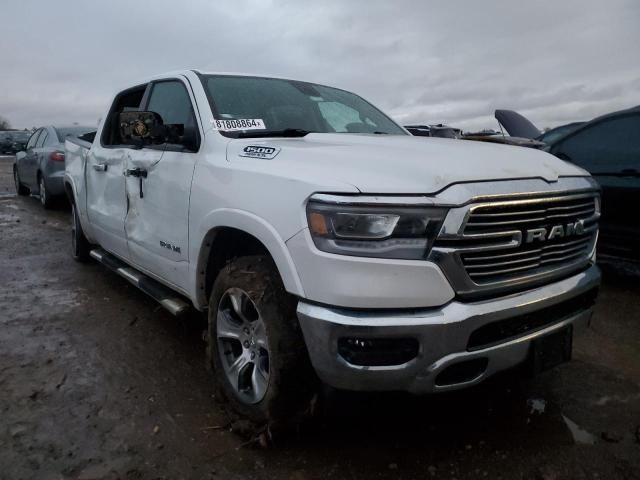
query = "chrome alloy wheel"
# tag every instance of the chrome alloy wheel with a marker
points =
(43, 192)
(242, 345)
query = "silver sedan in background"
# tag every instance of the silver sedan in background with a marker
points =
(39, 169)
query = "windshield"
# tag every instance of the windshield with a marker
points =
(73, 132)
(289, 106)
(554, 134)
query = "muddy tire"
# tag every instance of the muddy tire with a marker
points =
(20, 188)
(255, 347)
(80, 246)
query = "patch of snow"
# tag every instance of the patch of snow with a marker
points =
(536, 405)
(580, 435)
(602, 401)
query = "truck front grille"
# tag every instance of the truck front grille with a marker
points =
(533, 222)
(502, 264)
(509, 244)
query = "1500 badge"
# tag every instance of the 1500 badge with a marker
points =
(259, 151)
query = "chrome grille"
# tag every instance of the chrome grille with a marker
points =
(482, 267)
(491, 218)
(496, 247)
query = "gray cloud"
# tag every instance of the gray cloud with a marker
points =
(420, 61)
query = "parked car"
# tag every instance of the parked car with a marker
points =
(608, 147)
(39, 168)
(324, 242)
(5, 141)
(439, 130)
(553, 134)
(12, 141)
(20, 140)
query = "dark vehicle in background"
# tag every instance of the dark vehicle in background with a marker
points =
(439, 130)
(608, 147)
(39, 168)
(556, 133)
(12, 141)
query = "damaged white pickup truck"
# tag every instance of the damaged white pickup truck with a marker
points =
(327, 244)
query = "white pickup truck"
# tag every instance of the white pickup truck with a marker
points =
(327, 244)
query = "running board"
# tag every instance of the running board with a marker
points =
(163, 295)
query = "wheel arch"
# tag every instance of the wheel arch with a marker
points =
(69, 190)
(228, 233)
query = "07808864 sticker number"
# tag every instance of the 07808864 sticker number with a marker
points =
(237, 124)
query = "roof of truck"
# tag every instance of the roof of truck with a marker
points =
(236, 74)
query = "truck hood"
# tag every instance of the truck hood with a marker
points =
(395, 164)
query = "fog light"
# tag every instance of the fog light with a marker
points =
(377, 352)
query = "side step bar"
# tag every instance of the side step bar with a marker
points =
(163, 295)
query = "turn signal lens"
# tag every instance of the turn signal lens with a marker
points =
(318, 224)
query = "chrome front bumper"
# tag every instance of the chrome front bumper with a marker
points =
(443, 335)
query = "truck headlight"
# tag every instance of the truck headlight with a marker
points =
(384, 231)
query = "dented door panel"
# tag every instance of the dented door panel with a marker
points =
(157, 218)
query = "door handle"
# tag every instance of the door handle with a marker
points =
(137, 172)
(100, 167)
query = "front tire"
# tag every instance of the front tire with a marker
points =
(255, 346)
(20, 188)
(80, 246)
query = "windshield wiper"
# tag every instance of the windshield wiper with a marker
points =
(287, 132)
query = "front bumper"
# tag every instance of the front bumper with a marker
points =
(442, 335)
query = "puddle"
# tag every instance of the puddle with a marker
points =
(7, 219)
(28, 297)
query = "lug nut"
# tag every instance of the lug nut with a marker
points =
(246, 344)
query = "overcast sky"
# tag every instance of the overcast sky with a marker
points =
(420, 61)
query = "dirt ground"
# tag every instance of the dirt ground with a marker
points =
(97, 381)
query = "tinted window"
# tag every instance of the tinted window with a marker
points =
(606, 147)
(171, 101)
(43, 138)
(33, 139)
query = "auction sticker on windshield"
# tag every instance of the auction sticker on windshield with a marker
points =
(238, 124)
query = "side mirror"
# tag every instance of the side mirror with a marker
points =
(141, 128)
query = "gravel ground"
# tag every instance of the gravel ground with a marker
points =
(97, 381)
